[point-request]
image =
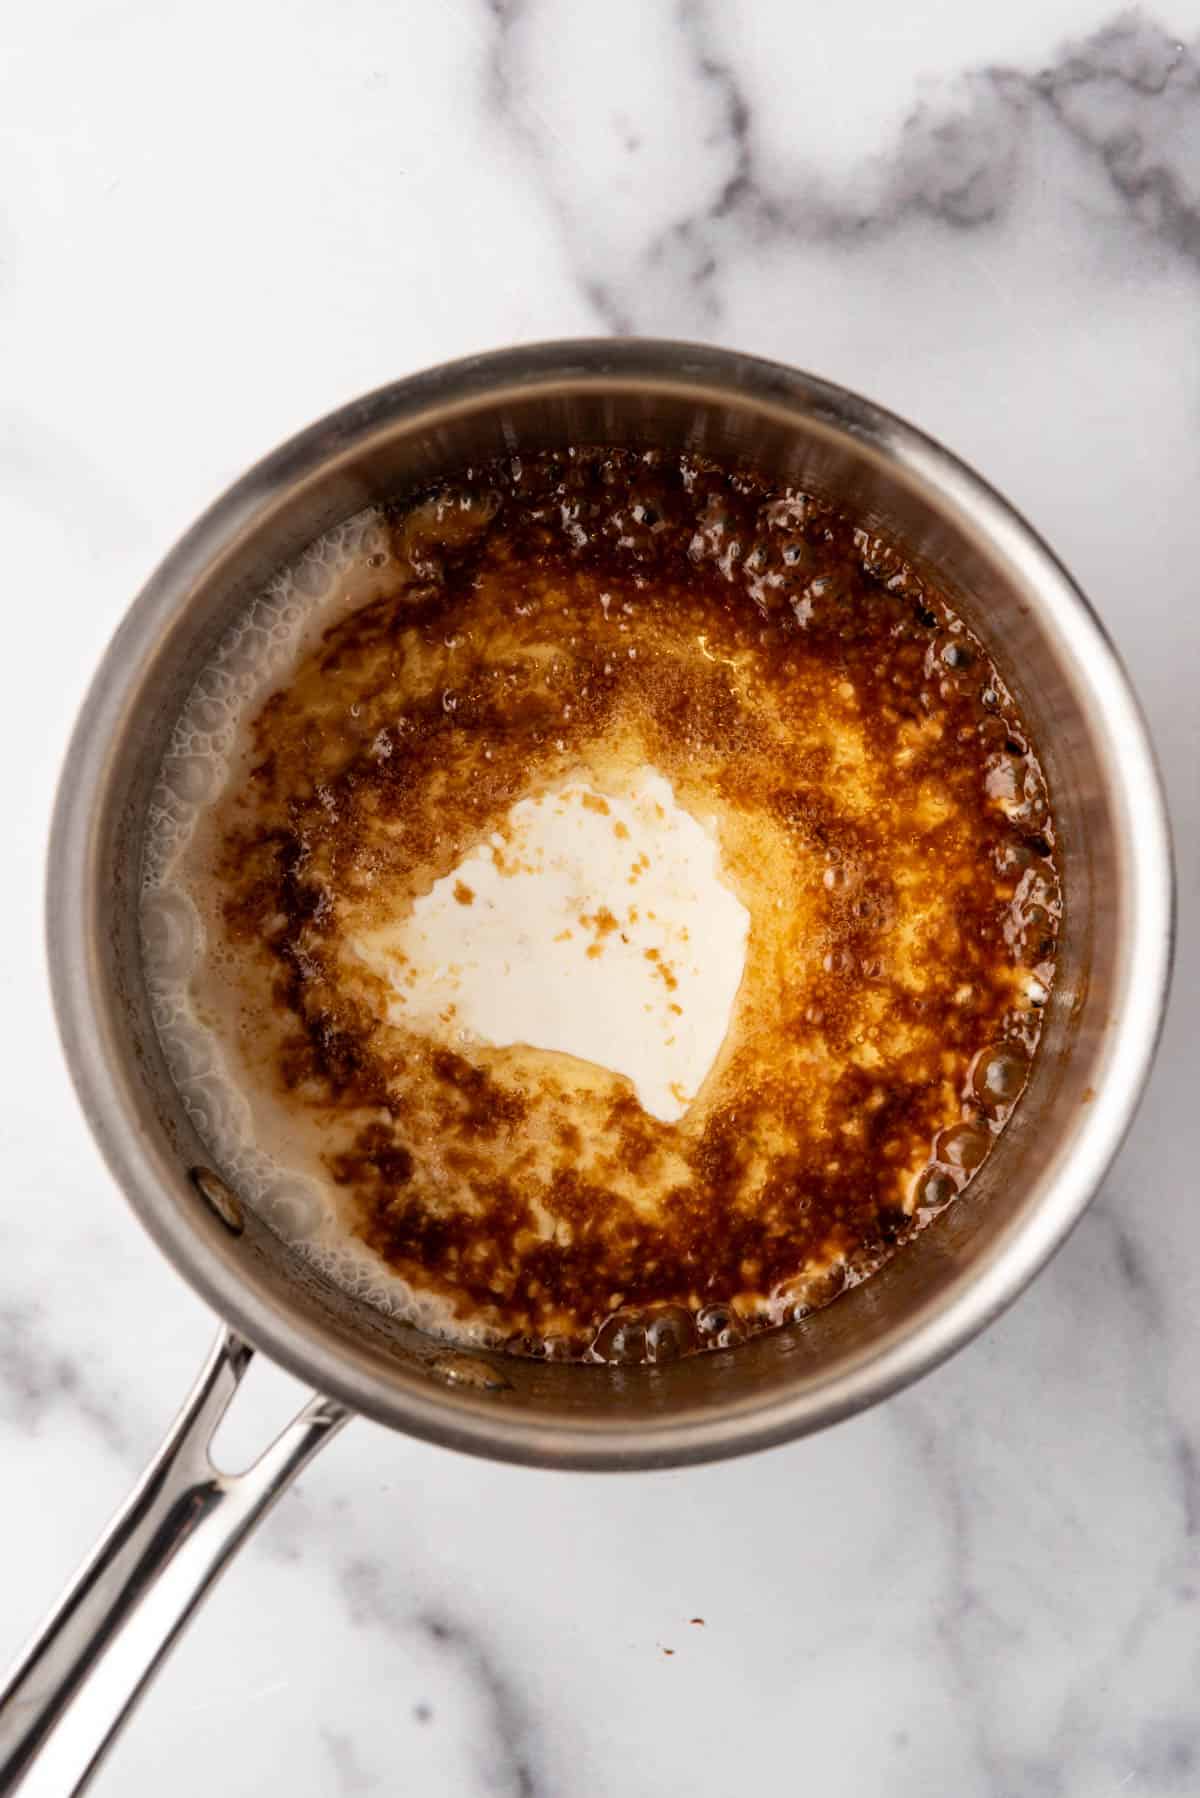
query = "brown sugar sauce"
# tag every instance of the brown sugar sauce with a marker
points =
(880, 814)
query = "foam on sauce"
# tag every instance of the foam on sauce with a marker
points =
(604, 907)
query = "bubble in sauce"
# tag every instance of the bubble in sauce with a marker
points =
(719, 1327)
(935, 1187)
(621, 1340)
(292, 1205)
(998, 1076)
(807, 1292)
(172, 935)
(670, 1333)
(963, 1146)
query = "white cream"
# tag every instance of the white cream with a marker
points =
(595, 925)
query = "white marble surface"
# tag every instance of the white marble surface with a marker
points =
(217, 222)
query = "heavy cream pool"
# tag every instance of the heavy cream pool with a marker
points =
(593, 925)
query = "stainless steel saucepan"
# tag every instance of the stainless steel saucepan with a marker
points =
(186, 1519)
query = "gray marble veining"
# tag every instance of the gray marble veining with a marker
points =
(37, 1376)
(376, 1598)
(1123, 96)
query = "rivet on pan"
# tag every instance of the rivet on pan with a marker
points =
(465, 1370)
(219, 1198)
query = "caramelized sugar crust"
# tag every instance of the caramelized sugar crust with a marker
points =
(880, 813)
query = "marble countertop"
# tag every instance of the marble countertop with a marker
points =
(218, 222)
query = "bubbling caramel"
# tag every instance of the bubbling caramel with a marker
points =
(564, 628)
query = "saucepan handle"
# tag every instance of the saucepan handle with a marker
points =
(185, 1521)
